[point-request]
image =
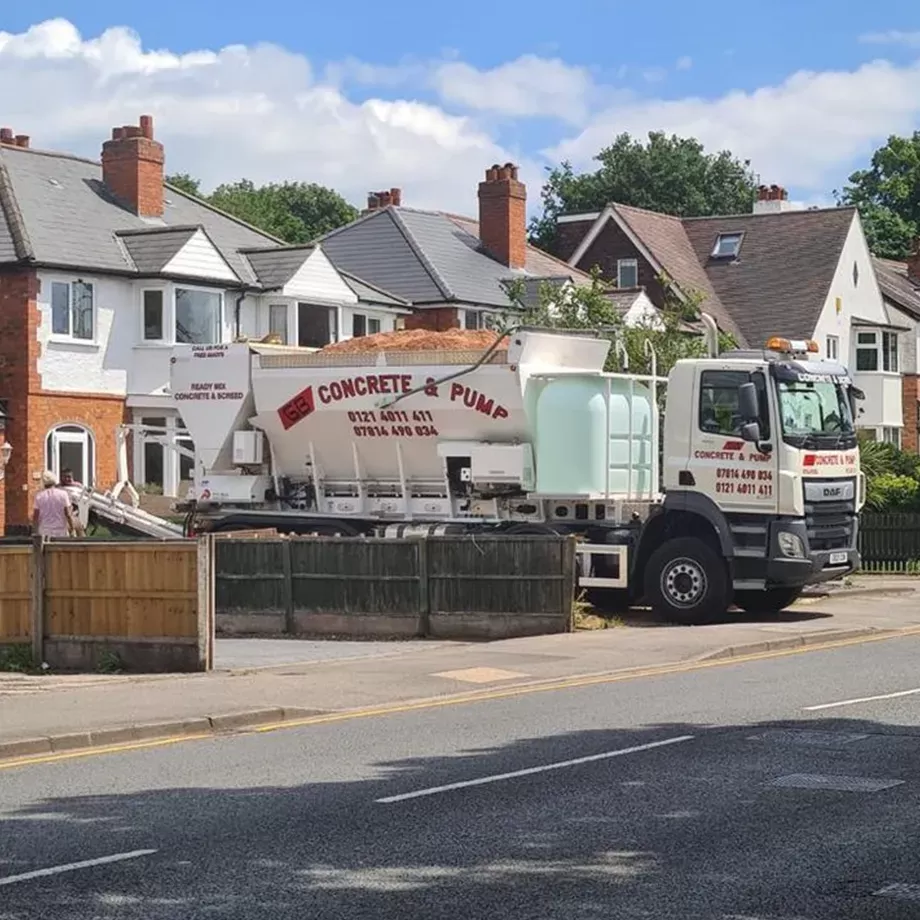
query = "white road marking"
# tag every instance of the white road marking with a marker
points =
(72, 867)
(530, 771)
(863, 699)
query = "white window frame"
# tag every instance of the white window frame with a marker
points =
(335, 325)
(69, 336)
(286, 307)
(208, 290)
(880, 340)
(716, 249)
(59, 434)
(889, 434)
(832, 348)
(163, 290)
(477, 323)
(627, 264)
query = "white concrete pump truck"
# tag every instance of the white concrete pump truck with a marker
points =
(751, 493)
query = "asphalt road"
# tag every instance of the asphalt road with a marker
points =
(717, 793)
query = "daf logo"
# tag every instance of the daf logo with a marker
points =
(832, 491)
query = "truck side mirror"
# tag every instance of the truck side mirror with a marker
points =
(750, 432)
(747, 402)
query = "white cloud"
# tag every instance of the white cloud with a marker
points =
(527, 87)
(891, 37)
(256, 111)
(430, 126)
(803, 132)
(684, 63)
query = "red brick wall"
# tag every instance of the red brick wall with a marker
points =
(34, 412)
(910, 389)
(439, 319)
(503, 216)
(132, 168)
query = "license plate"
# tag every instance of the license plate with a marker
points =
(838, 558)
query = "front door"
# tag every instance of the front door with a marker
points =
(70, 450)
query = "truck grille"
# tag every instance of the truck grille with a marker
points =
(831, 525)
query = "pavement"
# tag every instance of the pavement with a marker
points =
(780, 788)
(261, 682)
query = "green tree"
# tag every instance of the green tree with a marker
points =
(296, 212)
(888, 197)
(185, 183)
(590, 307)
(673, 175)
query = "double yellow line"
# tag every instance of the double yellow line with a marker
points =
(479, 696)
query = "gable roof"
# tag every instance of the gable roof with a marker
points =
(152, 248)
(55, 210)
(274, 267)
(897, 286)
(430, 257)
(781, 279)
(778, 284)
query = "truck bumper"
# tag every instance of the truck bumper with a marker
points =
(817, 565)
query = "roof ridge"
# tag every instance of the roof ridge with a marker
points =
(360, 219)
(373, 287)
(57, 154)
(632, 207)
(216, 210)
(433, 273)
(9, 206)
(152, 231)
(288, 247)
(751, 214)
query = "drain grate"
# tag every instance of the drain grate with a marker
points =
(834, 783)
(813, 738)
(900, 890)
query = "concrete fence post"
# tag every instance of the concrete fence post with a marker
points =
(287, 586)
(205, 548)
(37, 587)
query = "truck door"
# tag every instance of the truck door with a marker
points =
(735, 474)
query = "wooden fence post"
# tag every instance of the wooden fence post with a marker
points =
(205, 547)
(37, 587)
(287, 588)
(424, 593)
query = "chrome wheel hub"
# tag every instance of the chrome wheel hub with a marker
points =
(683, 582)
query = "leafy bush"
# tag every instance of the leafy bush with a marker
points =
(892, 477)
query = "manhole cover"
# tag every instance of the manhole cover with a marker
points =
(834, 783)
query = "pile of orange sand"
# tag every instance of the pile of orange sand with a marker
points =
(419, 340)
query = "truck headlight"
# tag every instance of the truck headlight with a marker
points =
(790, 545)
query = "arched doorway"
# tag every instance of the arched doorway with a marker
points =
(72, 447)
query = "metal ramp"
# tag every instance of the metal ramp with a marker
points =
(122, 518)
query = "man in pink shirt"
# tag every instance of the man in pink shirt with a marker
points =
(51, 515)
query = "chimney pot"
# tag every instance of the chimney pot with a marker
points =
(146, 123)
(396, 196)
(22, 140)
(6, 135)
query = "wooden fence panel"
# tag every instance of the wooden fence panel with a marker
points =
(121, 590)
(15, 594)
(496, 586)
(890, 542)
(251, 590)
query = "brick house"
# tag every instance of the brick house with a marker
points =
(779, 270)
(103, 267)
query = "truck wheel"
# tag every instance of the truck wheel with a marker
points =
(687, 581)
(772, 600)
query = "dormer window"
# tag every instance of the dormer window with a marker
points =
(727, 246)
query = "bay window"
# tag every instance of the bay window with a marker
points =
(877, 351)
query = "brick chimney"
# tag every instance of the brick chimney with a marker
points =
(913, 262)
(132, 168)
(772, 199)
(10, 140)
(503, 215)
(376, 201)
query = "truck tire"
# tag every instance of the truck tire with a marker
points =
(686, 581)
(772, 600)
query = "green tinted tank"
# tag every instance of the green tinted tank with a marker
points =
(570, 421)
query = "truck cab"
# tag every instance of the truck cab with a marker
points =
(761, 465)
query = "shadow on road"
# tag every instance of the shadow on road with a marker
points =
(689, 831)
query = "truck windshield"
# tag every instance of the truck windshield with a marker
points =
(817, 412)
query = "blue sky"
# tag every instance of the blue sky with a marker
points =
(623, 63)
